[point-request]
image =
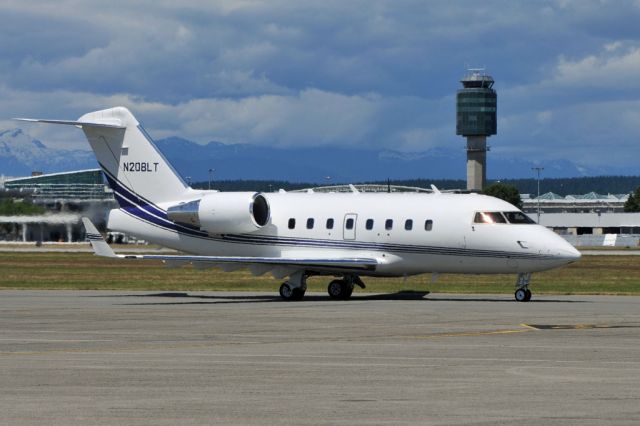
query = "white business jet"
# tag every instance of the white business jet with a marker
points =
(297, 235)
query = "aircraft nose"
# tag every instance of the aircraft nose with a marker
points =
(568, 252)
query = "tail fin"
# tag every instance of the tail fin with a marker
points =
(134, 167)
(130, 159)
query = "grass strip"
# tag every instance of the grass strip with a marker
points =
(84, 271)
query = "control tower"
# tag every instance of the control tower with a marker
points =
(476, 106)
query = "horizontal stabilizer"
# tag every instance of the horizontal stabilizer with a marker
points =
(99, 245)
(108, 123)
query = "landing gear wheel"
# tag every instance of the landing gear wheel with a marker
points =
(286, 291)
(335, 289)
(289, 293)
(297, 294)
(348, 291)
(528, 295)
(521, 295)
(339, 289)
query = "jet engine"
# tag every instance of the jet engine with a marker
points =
(223, 212)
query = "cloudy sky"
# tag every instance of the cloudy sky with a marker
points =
(369, 74)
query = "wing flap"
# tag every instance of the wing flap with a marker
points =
(260, 264)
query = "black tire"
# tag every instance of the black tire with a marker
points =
(348, 291)
(297, 294)
(336, 289)
(527, 296)
(286, 291)
(521, 295)
(340, 290)
(291, 294)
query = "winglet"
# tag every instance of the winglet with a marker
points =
(435, 189)
(99, 245)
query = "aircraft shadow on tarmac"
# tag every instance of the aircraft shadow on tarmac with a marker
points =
(200, 299)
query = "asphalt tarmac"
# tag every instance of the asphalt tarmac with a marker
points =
(78, 358)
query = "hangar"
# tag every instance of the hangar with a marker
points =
(587, 203)
(587, 220)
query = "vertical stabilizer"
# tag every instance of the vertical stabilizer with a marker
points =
(133, 165)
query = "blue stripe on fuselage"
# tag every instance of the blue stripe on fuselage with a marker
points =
(144, 208)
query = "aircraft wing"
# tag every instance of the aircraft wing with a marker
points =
(278, 266)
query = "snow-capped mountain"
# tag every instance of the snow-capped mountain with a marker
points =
(20, 154)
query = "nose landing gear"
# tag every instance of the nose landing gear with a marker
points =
(523, 294)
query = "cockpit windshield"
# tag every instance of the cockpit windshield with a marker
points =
(518, 217)
(489, 217)
(502, 217)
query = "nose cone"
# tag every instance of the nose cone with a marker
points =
(567, 252)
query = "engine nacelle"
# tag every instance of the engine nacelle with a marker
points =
(223, 212)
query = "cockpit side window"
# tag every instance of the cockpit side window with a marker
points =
(518, 218)
(489, 217)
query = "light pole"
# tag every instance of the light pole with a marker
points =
(538, 169)
(210, 176)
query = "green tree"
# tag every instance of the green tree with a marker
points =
(9, 207)
(506, 192)
(633, 203)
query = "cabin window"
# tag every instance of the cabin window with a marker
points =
(489, 217)
(330, 223)
(310, 223)
(408, 225)
(428, 225)
(369, 224)
(349, 223)
(292, 223)
(388, 224)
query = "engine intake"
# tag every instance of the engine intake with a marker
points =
(223, 212)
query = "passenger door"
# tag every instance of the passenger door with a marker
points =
(349, 226)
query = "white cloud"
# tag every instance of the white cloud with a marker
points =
(309, 118)
(362, 73)
(592, 134)
(612, 67)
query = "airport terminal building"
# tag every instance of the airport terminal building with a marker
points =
(66, 198)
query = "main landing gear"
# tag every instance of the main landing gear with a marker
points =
(523, 294)
(342, 289)
(295, 288)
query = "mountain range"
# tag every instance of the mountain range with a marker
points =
(20, 154)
